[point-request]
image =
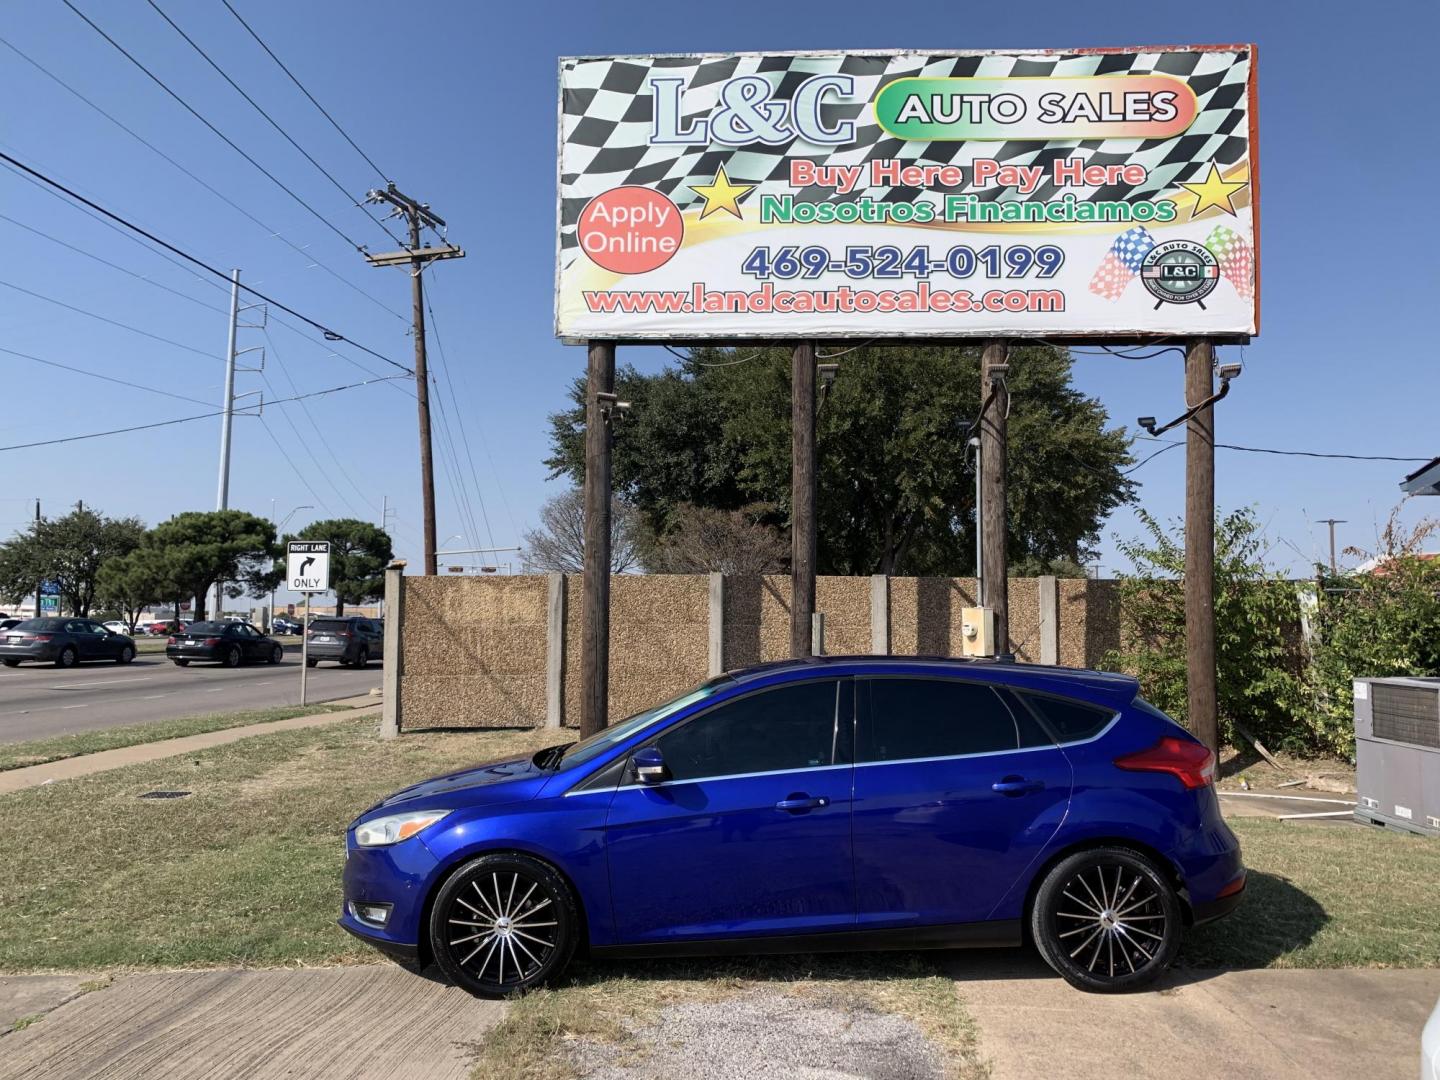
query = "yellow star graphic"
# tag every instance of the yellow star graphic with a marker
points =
(721, 195)
(1214, 190)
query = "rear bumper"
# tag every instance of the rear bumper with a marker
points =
(175, 652)
(1217, 908)
(28, 652)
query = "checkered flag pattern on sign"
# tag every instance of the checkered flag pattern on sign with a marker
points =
(607, 113)
(1121, 262)
(1237, 261)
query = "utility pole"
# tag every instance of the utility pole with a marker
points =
(994, 421)
(227, 403)
(1332, 522)
(1201, 706)
(595, 605)
(39, 585)
(416, 215)
(802, 498)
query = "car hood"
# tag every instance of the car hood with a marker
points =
(508, 780)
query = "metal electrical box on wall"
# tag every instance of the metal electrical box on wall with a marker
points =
(1397, 753)
(977, 626)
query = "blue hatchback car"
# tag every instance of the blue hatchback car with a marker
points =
(837, 803)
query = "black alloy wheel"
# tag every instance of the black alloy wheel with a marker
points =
(182, 663)
(277, 654)
(232, 656)
(127, 653)
(502, 924)
(363, 660)
(1107, 920)
(68, 657)
(12, 661)
(311, 663)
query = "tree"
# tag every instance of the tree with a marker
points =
(720, 541)
(198, 548)
(896, 484)
(359, 553)
(1257, 617)
(68, 551)
(559, 543)
(128, 584)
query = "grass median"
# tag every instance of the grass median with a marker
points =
(60, 747)
(245, 870)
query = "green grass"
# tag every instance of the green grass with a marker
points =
(60, 747)
(1324, 896)
(246, 870)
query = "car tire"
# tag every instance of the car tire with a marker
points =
(181, 663)
(311, 663)
(68, 657)
(232, 657)
(277, 654)
(12, 661)
(363, 660)
(1120, 908)
(530, 903)
(127, 653)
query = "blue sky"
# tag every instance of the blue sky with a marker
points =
(458, 107)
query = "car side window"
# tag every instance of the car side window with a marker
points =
(1071, 721)
(931, 718)
(797, 726)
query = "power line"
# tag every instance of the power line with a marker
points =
(333, 122)
(293, 467)
(187, 419)
(97, 375)
(273, 123)
(297, 248)
(228, 141)
(330, 335)
(1318, 454)
(219, 195)
(114, 266)
(106, 319)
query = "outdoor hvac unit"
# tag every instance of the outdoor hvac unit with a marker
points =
(1397, 753)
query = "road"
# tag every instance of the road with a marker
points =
(37, 702)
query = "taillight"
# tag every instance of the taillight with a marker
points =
(42, 637)
(212, 641)
(170, 641)
(1191, 762)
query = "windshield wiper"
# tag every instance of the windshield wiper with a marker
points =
(550, 757)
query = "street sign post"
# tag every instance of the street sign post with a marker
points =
(307, 570)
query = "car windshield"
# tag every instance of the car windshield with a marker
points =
(596, 744)
(205, 628)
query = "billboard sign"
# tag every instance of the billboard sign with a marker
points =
(1104, 193)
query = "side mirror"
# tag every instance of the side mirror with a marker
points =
(649, 765)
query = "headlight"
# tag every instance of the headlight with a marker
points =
(380, 831)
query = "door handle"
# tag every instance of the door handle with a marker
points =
(1017, 785)
(800, 801)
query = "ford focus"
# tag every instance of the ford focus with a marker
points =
(818, 805)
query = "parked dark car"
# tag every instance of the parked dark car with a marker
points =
(64, 643)
(228, 643)
(352, 640)
(829, 804)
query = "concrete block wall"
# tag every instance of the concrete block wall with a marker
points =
(505, 651)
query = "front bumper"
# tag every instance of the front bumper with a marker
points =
(399, 875)
(405, 954)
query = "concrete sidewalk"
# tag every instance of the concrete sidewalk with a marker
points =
(1282, 1025)
(344, 1023)
(86, 764)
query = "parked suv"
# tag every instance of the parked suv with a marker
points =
(351, 639)
(834, 803)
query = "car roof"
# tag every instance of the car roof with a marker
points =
(1112, 688)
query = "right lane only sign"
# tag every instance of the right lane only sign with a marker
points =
(307, 566)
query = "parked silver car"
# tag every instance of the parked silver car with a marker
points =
(351, 639)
